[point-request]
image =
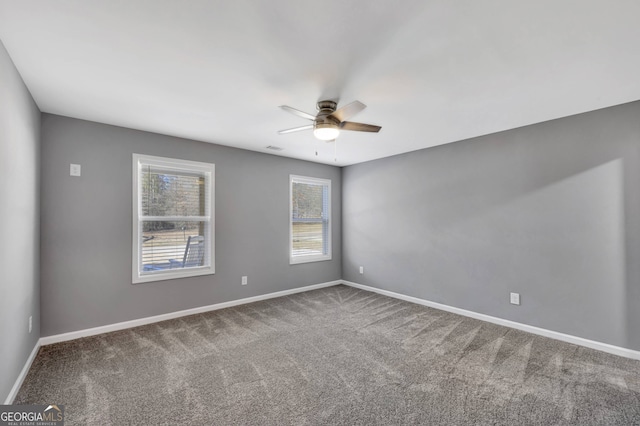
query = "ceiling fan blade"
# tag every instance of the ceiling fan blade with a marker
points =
(348, 110)
(298, 112)
(359, 127)
(296, 129)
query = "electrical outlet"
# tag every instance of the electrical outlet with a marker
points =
(30, 323)
(515, 298)
(244, 280)
(362, 269)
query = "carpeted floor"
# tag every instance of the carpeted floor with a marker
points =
(333, 356)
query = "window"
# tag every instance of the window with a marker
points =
(172, 218)
(310, 214)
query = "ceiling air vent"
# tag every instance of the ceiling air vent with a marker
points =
(274, 148)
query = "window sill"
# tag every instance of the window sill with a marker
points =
(308, 259)
(172, 274)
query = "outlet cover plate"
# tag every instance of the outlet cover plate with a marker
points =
(515, 298)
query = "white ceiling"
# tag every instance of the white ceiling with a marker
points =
(430, 72)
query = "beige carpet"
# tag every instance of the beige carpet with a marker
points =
(333, 356)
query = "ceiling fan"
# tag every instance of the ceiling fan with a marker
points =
(329, 121)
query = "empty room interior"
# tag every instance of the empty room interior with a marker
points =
(360, 212)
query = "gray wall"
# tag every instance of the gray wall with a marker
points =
(550, 211)
(86, 226)
(19, 216)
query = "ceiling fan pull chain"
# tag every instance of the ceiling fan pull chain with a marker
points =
(335, 150)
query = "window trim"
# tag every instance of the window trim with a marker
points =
(136, 253)
(294, 260)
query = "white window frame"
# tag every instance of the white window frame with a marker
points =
(296, 259)
(208, 170)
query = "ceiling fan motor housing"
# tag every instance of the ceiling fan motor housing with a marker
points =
(326, 106)
(324, 119)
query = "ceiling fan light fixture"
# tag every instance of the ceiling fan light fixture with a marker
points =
(326, 131)
(329, 121)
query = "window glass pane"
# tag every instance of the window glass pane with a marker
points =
(164, 245)
(170, 193)
(307, 238)
(307, 201)
(309, 219)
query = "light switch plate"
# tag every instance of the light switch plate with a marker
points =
(74, 169)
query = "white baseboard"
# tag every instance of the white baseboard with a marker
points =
(22, 375)
(48, 340)
(604, 347)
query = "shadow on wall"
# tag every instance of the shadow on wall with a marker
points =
(547, 211)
